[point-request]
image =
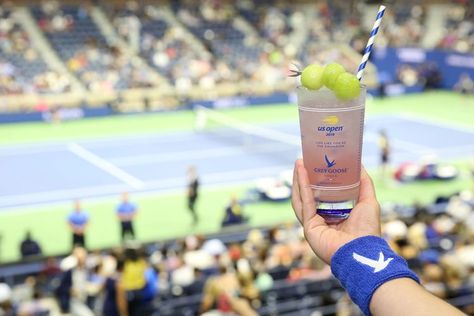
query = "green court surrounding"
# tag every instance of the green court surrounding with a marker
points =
(165, 216)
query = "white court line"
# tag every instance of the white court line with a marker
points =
(113, 141)
(104, 165)
(170, 184)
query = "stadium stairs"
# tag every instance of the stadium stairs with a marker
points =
(434, 25)
(300, 32)
(108, 31)
(48, 54)
(49, 59)
(195, 43)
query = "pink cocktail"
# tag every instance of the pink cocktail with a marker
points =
(331, 137)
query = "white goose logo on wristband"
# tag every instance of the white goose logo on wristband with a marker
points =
(378, 265)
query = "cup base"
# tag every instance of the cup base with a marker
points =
(335, 212)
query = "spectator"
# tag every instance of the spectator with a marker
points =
(114, 295)
(72, 290)
(198, 283)
(37, 304)
(233, 213)
(126, 212)
(6, 305)
(218, 295)
(465, 85)
(138, 281)
(78, 221)
(50, 268)
(29, 247)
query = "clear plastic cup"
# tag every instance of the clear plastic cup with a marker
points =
(331, 137)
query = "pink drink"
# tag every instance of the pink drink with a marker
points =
(331, 136)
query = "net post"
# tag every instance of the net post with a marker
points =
(200, 118)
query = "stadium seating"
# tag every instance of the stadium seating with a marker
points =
(81, 45)
(290, 297)
(22, 70)
(243, 43)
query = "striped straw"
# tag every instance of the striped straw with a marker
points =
(370, 43)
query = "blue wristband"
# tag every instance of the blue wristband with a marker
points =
(364, 264)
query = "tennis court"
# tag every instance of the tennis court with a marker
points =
(45, 166)
(64, 170)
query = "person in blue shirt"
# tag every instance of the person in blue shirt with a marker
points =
(126, 212)
(78, 220)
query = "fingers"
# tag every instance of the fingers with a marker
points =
(365, 217)
(311, 219)
(367, 190)
(295, 195)
(306, 194)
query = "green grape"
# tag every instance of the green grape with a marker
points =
(347, 86)
(331, 72)
(311, 77)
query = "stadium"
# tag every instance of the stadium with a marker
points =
(148, 150)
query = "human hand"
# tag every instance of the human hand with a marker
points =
(325, 239)
(78, 230)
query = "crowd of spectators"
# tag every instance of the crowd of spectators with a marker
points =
(408, 20)
(233, 52)
(22, 69)
(100, 65)
(264, 53)
(249, 273)
(459, 25)
(237, 54)
(164, 47)
(108, 68)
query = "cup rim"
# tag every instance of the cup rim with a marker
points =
(301, 87)
(327, 94)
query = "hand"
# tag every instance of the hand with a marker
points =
(326, 239)
(78, 230)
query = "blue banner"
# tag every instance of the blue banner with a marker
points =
(449, 65)
(62, 114)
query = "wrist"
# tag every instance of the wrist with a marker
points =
(378, 303)
(364, 264)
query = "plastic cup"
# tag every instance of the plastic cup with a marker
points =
(331, 137)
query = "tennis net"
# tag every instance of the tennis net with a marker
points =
(274, 140)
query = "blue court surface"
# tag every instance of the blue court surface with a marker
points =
(44, 173)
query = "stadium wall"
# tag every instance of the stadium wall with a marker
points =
(66, 114)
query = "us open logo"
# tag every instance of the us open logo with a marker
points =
(329, 126)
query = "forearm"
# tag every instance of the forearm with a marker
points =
(121, 301)
(406, 297)
(383, 286)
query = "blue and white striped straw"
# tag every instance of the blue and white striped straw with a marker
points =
(370, 43)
